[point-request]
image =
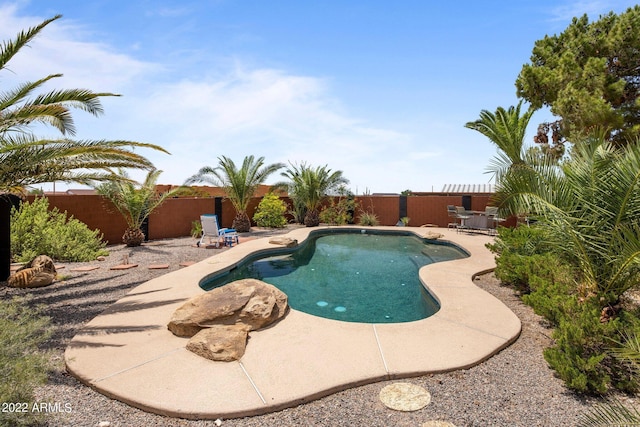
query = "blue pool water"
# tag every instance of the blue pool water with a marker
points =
(353, 276)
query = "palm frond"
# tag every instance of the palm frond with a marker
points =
(611, 414)
(10, 48)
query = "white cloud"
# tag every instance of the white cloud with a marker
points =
(241, 111)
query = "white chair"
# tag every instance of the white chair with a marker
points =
(212, 230)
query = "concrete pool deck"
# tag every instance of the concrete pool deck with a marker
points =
(128, 354)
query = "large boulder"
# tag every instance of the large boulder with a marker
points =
(39, 272)
(250, 302)
(223, 343)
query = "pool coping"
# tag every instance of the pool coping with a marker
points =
(128, 354)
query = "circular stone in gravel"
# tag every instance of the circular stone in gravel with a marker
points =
(437, 423)
(405, 397)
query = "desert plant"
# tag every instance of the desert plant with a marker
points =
(309, 186)
(340, 212)
(589, 206)
(196, 229)
(135, 201)
(521, 252)
(240, 184)
(369, 219)
(270, 212)
(580, 354)
(22, 366)
(36, 230)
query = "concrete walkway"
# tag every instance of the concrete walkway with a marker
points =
(127, 352)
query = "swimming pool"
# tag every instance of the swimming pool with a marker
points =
(354, 276)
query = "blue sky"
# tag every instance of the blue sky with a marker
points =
(378, 89)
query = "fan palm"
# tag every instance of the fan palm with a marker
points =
(309, 186)
(506, 129)
(591, 205)
(240, 184)
(135, 201)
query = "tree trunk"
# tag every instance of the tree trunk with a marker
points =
(241, 223)
(312, 219)
(133, 237)
(7, 201)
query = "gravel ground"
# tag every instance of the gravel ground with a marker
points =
(513, 388)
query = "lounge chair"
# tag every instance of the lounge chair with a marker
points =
(212, 230)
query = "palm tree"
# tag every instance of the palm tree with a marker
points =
(506, 129)
(26, 159)
(591, 206)
(240, 184)
(135, 202)
(309, 186)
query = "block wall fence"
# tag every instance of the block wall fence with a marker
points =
(174, 218)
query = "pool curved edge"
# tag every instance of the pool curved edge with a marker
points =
(128, 354)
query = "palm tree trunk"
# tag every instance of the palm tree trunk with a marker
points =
(7, 201)
(312, 219)
(242, 223)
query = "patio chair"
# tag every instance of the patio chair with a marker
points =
(462, 215)
(492, 214)
(451, 213)
(212, 230)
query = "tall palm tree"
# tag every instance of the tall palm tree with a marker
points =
(309, 186)
(135, 201)
(506, 129)
(240, 184)
(26, 159)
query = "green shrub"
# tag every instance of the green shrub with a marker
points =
(369, 219)
(37, 231)
(522, 253)
(581, 354)
(22, 366)
(552, 293)
(270, 212)
(339, 213)
(196, 229)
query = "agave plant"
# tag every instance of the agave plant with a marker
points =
(135, 202)
(240, 184)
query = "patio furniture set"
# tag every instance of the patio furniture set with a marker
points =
(474, 221)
